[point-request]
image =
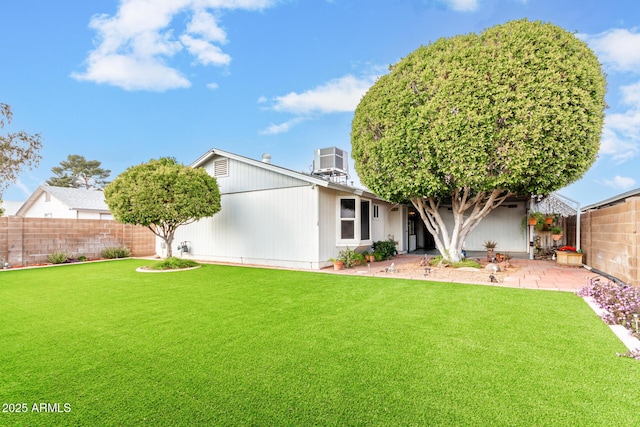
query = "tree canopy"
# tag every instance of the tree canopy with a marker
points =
(473, 119)
(17, 150)
(162, 195)
(78, 172)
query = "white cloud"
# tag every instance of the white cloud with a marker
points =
(23, 187)
(204, 24)
(274, 129)
(338, 95)
(618, 49)
(621, 132)
(212, 86)
(631, 94)
(138, 40)
(205, 52)
(131, 73)
(620, 182)
(462, 5)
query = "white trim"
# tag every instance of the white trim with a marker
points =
(357, 223)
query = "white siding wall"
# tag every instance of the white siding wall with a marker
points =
(503, 225)
(54, 208)
(270, 227)
(92, 215)
(328, 222)
(243, 177)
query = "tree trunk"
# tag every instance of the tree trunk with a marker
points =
(165, 233)
(168, 239)
(467, 210)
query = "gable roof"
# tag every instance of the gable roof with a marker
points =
(74, 198)
(311, 179)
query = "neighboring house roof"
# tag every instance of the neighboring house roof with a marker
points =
(78, 199)
(620, 198)
(10, 206)
(311, 179)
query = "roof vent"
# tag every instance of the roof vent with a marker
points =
(266, 158)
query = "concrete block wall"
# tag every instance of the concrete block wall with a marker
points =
(611, 240)
(28, 241)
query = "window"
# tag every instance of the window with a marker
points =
(365, 227)
(354, 220)
(376, 211)
(347, 219)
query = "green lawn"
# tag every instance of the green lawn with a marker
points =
(241, 346)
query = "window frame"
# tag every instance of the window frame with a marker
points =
(356, 220)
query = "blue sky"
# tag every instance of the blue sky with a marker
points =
(126, 81)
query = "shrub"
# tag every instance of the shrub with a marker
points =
(82, 258)
(115, 252)
(173, 263)
(387, 248)
(439, 260)
(348, 257)
(58, 257)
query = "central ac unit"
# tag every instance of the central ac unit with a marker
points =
(330, 161)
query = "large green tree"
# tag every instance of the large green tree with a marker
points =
(17, 150)
(474, 119)
(78, 172)
(163, 195)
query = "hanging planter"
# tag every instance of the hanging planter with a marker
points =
(556, 233)
(548, 220)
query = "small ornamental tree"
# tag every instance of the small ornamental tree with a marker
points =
(471, 120)
(17, 150)
(162, 195)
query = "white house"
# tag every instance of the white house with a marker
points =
(275, 216)
(63, 202)
(10, 207)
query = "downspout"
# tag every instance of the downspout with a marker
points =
(531, 248)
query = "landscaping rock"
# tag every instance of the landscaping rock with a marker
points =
(492, 267)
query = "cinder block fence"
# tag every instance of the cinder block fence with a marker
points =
(28, 241)
(611, 239)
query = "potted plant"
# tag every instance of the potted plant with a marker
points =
(347, 256)
(538, 220)
(359, 258)
(556, 233)
(337, 264)
(490, 245)
(368, 256)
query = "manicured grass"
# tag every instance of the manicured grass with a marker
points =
(226, 345)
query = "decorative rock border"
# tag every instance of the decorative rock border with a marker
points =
(145, 269)
(631, 342)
